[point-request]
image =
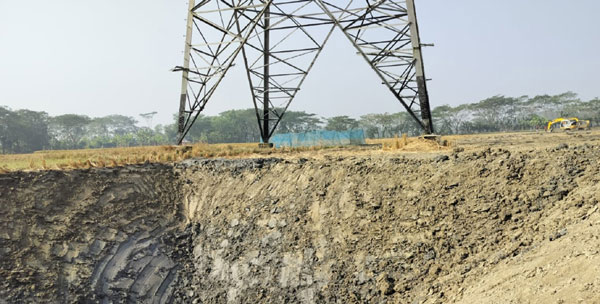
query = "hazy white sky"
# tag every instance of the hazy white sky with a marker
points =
(114, 56)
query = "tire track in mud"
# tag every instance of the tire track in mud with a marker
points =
(136, 269)
(89, 236)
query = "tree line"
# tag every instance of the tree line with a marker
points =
(24, 131)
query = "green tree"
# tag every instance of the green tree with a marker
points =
(299, 122)
(32, 130)
(234, 126)
(535, 121)
(407, 124)
(495, 113)
(341, 123)
(149, 137)
(23, 131)
(112, 125)
(448, 120)
(384, 125)
(202, 127)
(8, 137)
(68, 130)
(125, 140)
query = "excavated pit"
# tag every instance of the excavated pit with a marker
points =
(370, 228)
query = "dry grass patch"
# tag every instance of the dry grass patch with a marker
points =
(114, 157)
(411, 144)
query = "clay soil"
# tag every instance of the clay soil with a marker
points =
(497, 218)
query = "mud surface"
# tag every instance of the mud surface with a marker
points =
(489, 225)
(88, 235)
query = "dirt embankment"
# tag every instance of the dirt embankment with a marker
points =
(350, 229)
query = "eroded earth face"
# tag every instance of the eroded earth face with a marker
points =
(479, 224)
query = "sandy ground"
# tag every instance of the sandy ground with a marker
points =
(498, 218)
(566, 270)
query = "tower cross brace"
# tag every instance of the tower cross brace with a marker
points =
(280, 40)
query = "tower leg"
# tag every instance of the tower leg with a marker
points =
(419, 68)
(266, 53)
(186, 67)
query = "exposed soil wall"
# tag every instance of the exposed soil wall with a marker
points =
(368, 228)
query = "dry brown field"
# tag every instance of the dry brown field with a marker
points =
(112, 157)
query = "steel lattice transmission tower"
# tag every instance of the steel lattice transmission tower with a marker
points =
(280, 41)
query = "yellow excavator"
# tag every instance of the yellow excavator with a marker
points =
(568, 124)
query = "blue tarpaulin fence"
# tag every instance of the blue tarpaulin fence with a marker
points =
(320, 138)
